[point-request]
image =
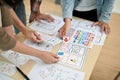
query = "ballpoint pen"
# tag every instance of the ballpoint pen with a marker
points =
(20, 71)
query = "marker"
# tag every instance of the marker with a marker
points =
(20, 71)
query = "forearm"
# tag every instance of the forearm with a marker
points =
(6, 41)
(24, 49)
(17, 21)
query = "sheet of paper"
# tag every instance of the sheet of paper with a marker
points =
(100, 38)
(48, 27)
(15, 57)
(48, 42)
(54, 40)
(5, 77)
(72, 55)
(7, 68)
(44, 46)
(82, 38)
(87, 26)
(42, 71)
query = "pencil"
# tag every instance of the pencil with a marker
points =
(20, 71)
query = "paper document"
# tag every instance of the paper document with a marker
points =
(48, 27)
(5, 77)
(72, 55)
(44, 46)
(81, 37)
(42, 71)
(48, 42)
(15, 57)
(87, 26)
(7, 68)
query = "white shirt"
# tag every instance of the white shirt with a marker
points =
(86, 5)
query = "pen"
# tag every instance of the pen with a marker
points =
(20, 71)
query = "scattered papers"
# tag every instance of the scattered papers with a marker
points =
(48, 42)
(48, 27)
(44, 46)
(42, 71)
(87, 26)
(7, 68)
(50, 39)
(15, 57)
(5, 77)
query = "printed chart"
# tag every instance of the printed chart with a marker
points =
(72, 55)
(83, 38)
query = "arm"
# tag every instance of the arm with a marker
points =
(104, 12)
(47, 57)
(30, 34)
(67, 9)
(7, 42)
(17, 22)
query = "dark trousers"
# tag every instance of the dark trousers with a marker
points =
(89, 15)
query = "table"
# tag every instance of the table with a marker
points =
(89, 64)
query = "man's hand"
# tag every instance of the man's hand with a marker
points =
(104, 26)
(38, 16)
(32, 36)
(45, 17)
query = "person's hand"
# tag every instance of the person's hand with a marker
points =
(49, 57)
(104, 26)
(32, 36)
(45, 17)
(38, 16)
(65, 28)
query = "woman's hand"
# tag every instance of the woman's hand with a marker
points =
(104, 26)
(65, 28)
(49, 57)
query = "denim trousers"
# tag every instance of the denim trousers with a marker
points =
(20, 12)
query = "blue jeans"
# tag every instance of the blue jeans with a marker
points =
(20, 12)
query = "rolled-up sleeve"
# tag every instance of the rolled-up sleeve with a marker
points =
(67, 8)
(6, 42)
(6, 18)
